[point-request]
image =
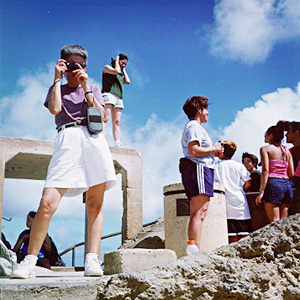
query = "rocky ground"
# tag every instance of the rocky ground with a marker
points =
(265, 265)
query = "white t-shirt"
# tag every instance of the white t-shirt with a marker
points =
(193, 131)
(232, 175)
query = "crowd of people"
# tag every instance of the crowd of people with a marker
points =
(277, 185)
(82, 162)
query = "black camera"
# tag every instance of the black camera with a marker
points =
(71, 66)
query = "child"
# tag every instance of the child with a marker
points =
(236, 180)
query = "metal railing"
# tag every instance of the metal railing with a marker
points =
(73, 248)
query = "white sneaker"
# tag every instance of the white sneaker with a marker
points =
(92, 267)
(118, 144)
(24, 270)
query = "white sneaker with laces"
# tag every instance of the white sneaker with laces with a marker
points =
(92, 267)
(25, 269)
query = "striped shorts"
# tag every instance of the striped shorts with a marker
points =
(198, 179)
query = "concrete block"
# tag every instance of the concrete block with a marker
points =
(214, 228)
(136, 260)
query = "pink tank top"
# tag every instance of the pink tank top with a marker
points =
(278, 168)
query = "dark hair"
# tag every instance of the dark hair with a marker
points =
(284, 124)
(229, 148)
(295, 126)
(32, 214)
(253, 158)
(277, 132)
(122, 56)
(192, 105)
(73, 49)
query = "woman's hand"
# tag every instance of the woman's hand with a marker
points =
(81, 76)
(60, 68)
(217, 147)
(258, 198)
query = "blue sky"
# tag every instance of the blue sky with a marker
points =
(242, 55)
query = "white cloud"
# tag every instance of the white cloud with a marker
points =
(250, 124)
(248, 30)
(159, 144)
(25, 115)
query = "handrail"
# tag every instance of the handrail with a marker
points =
(72, 248)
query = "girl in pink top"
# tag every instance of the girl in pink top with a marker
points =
(277, 168)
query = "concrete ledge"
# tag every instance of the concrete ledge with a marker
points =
(136, 260)
(62, 269)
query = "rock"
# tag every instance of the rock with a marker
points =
(151, 237)
(8, 260)
(264, 265)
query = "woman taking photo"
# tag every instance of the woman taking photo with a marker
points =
(275, 191)
(81, 161)
(113, 78)
(197, 167)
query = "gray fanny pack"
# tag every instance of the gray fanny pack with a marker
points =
(94, 120)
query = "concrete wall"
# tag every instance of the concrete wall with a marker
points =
(176, 217)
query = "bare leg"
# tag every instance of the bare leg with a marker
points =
(272, 211)
(198, 210)
(94, 206)
(284, 210)
(234, 238)
(48, 205)
(108, 108)
(116, 117)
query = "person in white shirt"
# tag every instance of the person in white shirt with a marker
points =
(236, 180)
(197, 165)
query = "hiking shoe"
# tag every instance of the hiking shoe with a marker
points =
(92, 267)
(24, 270)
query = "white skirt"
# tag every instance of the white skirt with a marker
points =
(80, 161)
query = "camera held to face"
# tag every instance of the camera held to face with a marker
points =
(72, 66)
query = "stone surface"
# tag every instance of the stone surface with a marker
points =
(8, 260)
(265, 265)
(151, 237)
(52, 285)
(136, 260)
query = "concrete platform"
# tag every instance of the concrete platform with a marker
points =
(52, 285)
(64, 285)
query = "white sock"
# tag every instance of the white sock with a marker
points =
(91, 255)
(32, 258)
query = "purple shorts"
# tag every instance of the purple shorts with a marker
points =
(198, 179)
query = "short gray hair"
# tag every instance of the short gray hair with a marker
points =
(73, 49)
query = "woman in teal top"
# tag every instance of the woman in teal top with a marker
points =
(113, 78)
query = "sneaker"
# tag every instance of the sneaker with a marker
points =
(118, 144)
(92, 267)
(24, 270)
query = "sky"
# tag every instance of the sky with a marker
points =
(241, 54)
